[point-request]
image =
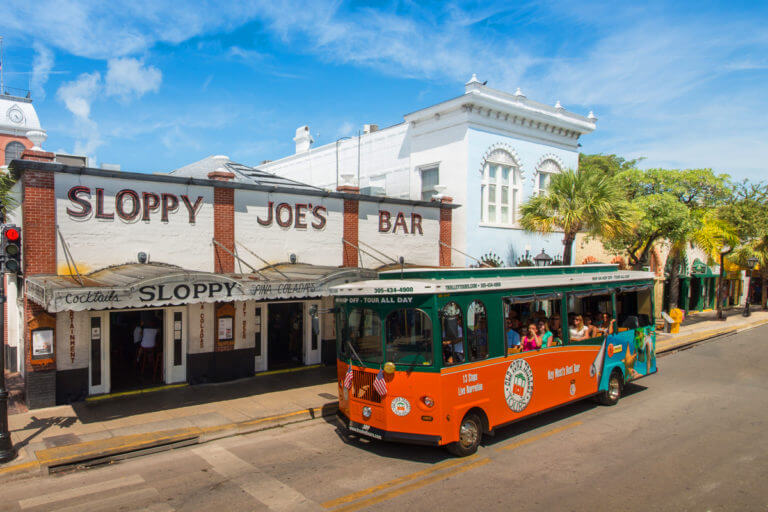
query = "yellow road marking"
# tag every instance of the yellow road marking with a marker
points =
(18, 467)
(289, 370)
(413, 486)
(537, 437)
(397, 481)
(135, 392)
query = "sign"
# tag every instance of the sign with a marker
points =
(225, 328)
(42, 343)
(518, 385)
(130, 205)
(177, 289)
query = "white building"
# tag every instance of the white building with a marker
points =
(487, 149)
(19, 128)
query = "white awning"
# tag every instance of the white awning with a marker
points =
(155, 284)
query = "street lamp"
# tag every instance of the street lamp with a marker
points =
(543, 259)
(726, 249)
(751, 262)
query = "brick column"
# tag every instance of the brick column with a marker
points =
(224, 229)
(351, 218)
(446, 227)
(39, 255)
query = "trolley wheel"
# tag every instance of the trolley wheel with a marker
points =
(611, 395)
(470, 435)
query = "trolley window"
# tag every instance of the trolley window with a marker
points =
(452, 334)
(477, 331)
(363, 333)
(409, 337)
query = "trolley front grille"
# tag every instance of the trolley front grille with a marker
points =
(362, 386)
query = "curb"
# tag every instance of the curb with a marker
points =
(692, 339)
(115, 448)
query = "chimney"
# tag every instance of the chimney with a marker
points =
(370, 128)
(303, 139)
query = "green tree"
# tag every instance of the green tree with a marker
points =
(586, 200)
(611, 165)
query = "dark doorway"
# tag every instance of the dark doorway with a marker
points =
(132, 367)
(285, 335)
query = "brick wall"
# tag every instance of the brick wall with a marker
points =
(224, 228)
(351, 218)
(446, 220)
(39, 244)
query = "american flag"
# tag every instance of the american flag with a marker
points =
(379, 384)
(348, 378)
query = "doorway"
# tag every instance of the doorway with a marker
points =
(133, 367)
(285, 335)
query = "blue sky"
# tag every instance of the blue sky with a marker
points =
(154, 85)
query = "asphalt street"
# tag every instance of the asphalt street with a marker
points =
(692, 437)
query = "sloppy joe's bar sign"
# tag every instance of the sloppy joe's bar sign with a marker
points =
(129, 206)
(174, 291)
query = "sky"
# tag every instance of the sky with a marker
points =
(154, 85)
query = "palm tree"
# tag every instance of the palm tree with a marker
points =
(710, 234)
(584, 200)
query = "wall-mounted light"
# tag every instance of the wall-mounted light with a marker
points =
(293, 258)
(143, 257)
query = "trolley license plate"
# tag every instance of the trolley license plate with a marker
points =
(365, 430)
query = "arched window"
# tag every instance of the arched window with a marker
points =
(452, 333)
(544, 172)
(13, 151)
(500, 189)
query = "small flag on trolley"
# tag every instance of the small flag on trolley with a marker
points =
(348, 378)
(380, 385)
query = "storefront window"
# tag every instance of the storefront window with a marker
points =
(362, 336)
(409, 337)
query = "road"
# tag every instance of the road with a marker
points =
(692, 437)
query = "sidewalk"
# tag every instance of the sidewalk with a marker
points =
(703, 325)
(84, 431)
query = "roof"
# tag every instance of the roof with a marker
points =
(485, 282)
(134, 285)
(17, 115)
(243, 173)
(16, 167)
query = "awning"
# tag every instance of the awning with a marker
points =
(155, 284)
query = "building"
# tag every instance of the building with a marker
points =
(19, 128)
(229, 271)
(487, 149)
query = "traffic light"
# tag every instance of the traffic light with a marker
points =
(11, 245)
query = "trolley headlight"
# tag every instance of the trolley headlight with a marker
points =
(367, 412)
(428, 401)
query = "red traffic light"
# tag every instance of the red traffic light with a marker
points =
(12, 234)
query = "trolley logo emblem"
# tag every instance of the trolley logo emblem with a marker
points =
(518, 385)
(400, 406)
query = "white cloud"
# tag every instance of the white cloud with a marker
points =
(78, 94)
(41, 69)
(129, 77)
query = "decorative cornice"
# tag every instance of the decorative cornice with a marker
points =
(502, 146)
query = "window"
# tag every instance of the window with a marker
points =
(590, 315)
(430, 178)
(363, 333)
(477, 331)
(452, 334)
(409, 337)
(544, 173)
(633, 307)
(533, 321)
(13, 151)
(500, 189)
